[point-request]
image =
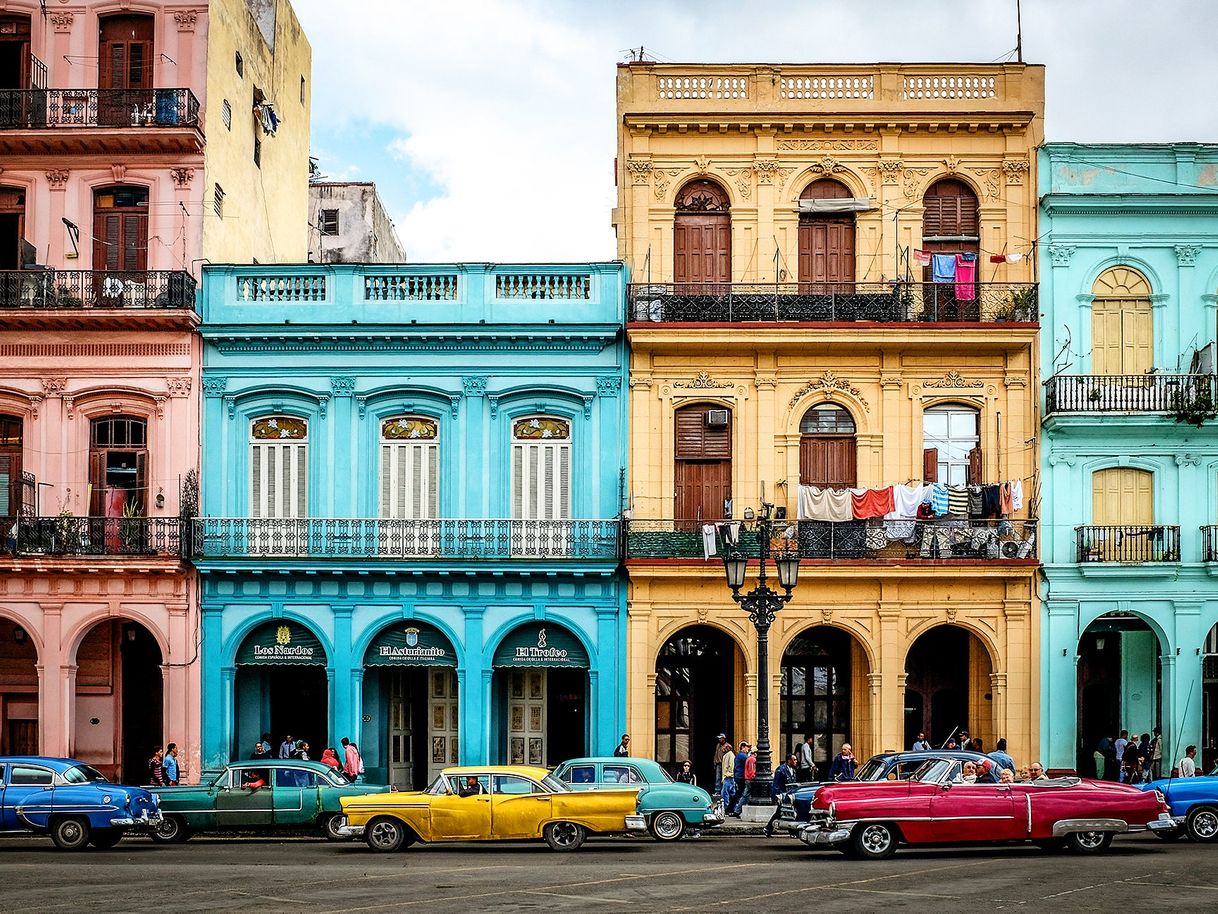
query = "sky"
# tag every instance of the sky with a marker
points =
(488, 125)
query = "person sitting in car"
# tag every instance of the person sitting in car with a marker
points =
(1006, 777)
(968, 773)
(470, 788)
(986, 773)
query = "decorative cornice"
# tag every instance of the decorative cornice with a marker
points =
(829, 384)
(214, 386)
(342, 386)
(1060, 254)
(474, 385)
(411, 344)
(178, 387)
(794, 145)
(608, 386)
(955, 380)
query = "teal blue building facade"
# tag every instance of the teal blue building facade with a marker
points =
(1129, 451)
(411, 492)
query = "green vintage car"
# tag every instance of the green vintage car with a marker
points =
(668, 806)
(259, 795)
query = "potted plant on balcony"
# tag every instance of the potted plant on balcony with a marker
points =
(1021, 307)
(1193, 403)
(131, 529)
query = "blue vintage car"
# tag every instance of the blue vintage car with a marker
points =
(1194, 802)
(670, 807)
(70, 801)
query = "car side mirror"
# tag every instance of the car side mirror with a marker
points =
(946, 785)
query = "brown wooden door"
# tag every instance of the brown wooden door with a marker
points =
(826, 253)
(702, 234)
(125, 61)
(14, 69)
(120, 232)
(703, 471)
(828, 462)
(12, 227)
(950, 225)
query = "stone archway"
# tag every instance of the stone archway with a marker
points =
(948, 687)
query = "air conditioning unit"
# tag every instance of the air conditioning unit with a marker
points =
(716, 418)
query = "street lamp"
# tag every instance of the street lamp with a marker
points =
(762, 604)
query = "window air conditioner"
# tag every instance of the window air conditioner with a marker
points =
(716, 418)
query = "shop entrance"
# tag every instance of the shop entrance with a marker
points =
(119, 700)
(541, 685)
(948, 688)
(695, 698)
(281, 689)
(411, 714)
(18, 691)
(824, 673)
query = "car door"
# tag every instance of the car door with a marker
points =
(294, 796)
(462, 818)
(580, 777)
(975, 812)
(23, 782)
(239, 805)
(519, 807)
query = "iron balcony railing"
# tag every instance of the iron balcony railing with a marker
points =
(1209, 543)
(892, 540)
(26, 109)
(74, 290)
(1129, 393)
(1131, 543)
(67, 535)
(379, 538)
(716, 303)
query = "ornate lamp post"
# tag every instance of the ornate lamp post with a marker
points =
(762, 604)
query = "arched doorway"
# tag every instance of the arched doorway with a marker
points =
(702, 236)
(823, 694)
(125, 70)
(1122, 323)
(703, 469)
(695, 698)
(1209, 702)
(13, 253)
(826, 239)
(540, 686)
(948, 687)
(15, 75)
(1119, 686)
(18, 690)
(410, 705)
(951, 234)
(119, 699)
(281, 688)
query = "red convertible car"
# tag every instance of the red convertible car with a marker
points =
(936, 806)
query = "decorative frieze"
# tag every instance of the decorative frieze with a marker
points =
(703, 381)
(954, 380)
(829, 384)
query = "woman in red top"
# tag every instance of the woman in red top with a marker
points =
(330, 757)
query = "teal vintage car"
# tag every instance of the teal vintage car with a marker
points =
(261, 796)
(668, 806)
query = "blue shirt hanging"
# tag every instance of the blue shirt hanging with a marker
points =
(943, 267)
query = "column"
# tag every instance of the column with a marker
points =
(890, 714)
(471, 458)
(1059, 687)
(346, 698)
(875, 687)
(54, 705)
(607, 677)
(1183, 727)
(217, 692)
(343, 444)
(59, 251)
(474, 693)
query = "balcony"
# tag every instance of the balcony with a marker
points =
(895, 541)
(1137, 393)
(49, 299)
(69, 536)
(1127, 543)
(98, 121)
(413, 540)
(1209, 543)
(883, 303)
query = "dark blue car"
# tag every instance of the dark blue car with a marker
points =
(1193, 801)
(795, 808)
(70, 801)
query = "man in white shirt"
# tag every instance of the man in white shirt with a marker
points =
(921, 744)
(1188, 767)
(805, 770)
(1121, 742)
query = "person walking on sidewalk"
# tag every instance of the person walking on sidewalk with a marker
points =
(623, 748)
(156, 768)
(170, 762)
(353, 763)
(805, 768)
(721, 746)
(727, 771)
(784, 782)
(739, 787)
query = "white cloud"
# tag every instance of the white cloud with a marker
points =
(508, 105)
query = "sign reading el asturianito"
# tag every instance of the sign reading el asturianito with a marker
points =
(410, 644)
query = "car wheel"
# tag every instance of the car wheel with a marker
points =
(329, 827)
(105, 838)
(564, 836)
(874, 840)
(1088, 842)
(172, 830)
(385, 835)
(1202, 824)
(667, 826)
(70, 834)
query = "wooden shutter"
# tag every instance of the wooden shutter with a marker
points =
(702, 487)
(930, 464)
(278, 479)
(10, 479)
(973, 477)
(541, 480)
(97, 480)
(125, 52)
(702, 248)
(1137, 337)
(698, 441)
(828, 462)
(1122, 496)
(140, 497)
(410, 479)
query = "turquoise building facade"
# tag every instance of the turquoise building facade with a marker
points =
(411, 492)
(1129, 451)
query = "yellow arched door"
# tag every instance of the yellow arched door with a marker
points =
(1123, 498)
(1122, 326)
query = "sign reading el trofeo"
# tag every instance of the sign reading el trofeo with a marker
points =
(542, 652)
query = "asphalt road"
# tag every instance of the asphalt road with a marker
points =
(715, 873)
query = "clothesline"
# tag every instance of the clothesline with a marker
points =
(909, 502)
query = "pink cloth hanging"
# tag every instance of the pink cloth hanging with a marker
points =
(966, 276)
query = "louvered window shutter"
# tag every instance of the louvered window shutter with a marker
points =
(518, 480)
(930, 464)
(302, 481)
(256, 486)
(974, 466)
(7, 508)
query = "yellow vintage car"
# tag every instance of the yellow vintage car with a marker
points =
(490, 803)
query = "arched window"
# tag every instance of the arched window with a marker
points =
(118, 466)
(410, 467)
(703, 470)
(1122, 329)
(828, 454)
(702, 234)
(951, 445)
(10, 465)
(279, 467)
(826, 235)
(541, 468)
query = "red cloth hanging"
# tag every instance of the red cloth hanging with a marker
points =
(872, 503)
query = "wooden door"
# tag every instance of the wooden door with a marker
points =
(703, 468)
(828, 462)
(1122, 337)
(702, 235)
(826, 241)
(12, 223)
(401, 742)
(950, 225)
(120, 238)
(444, 722)
(1122, 496)
(125, 62)
(527, 717)
(10, 465)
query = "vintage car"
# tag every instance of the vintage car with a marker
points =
(70, 801)
(668, 807)
(493, 803)
(1194, 803)
(936, 806)
(258, 795)
(795, 808)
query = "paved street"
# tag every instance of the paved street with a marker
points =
(715, 873)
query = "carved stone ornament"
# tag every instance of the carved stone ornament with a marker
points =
(1188, 460)
(182, 177)
(703, 381)
(178, 387)
(702, 197)
(890, 170)
(54, 387)
(186, 20)
(342, 386)
(61, 20)
(832, 145)
(57, 178)
(1060, 254)
(661, 178)
(766, 170)
(911, 181)
(1186, 254)
(827, 165)
(474, 385)
(744, 180)
(639, 170)
(829, 383)
(214, 387)
(1015, 169)
(118, 173)
(608, 386)
(955, 380)
(951, 614)
(991, 178)
(702, 165)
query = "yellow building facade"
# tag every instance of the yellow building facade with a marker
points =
(785, 331)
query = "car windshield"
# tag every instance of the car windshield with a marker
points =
(934, 771)
(438, 787)
(554, 785)
(84, 774)
(872, 771)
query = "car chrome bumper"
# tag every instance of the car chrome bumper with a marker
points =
(146, 821)
(817, 836)
(715, 815)
(1166, 822)
(347, 830)
(636, 823)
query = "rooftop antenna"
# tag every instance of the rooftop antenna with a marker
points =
(1018, 32)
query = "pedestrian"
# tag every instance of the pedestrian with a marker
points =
(623, 748)
(1145, 750)
(353, 764)
(962, 740)
(784, 782)
(330, 758)
(1119, 748)
(302, 751)
(805, 767)
(685, 774)
(1131, 763)
(721, 746)
(921, 744)
(262, 750)
(156, 768)
(741, 788)
(844, 765)
(170, 762)
(287, 748)
(727, 770)
(950, 745)
(1000, 756)
(1102, 750)
(1156, 756)
(976, 745)
(1187, 765)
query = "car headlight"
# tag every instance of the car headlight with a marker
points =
(1159, 796)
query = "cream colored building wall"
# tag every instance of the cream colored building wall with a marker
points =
(265, 209)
